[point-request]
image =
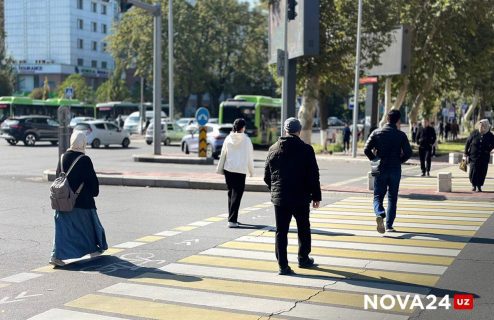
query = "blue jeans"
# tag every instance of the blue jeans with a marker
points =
(388, 181)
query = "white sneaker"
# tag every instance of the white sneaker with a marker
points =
(56, 262)
(390, 230)
(232, 224)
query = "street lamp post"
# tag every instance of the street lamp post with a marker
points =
(284, 93)
(171, 102)
(357, 78)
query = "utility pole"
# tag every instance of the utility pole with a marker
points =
(171, 59)
(284, 94)
(357, 78)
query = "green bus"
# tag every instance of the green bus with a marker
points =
(112, 109)
(22, 106)
(262, 116)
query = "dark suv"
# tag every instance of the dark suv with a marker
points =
(29, 129)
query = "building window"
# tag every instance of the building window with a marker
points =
(103, 28)
(80, 43)
(104, 65)
(103, 9)
(103, 47)
(94, 7)
(80, 4)
(94, 64)
(94, 27)
(80, 24)
(80, 62)
(94, 46)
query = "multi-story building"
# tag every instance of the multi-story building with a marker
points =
(57, 38)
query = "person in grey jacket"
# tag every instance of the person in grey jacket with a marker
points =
(292, 176)
(391, 146)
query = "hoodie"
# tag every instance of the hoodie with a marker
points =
(237, 154)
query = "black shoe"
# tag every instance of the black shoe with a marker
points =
(423, 174)
(428, 174)
(479, 189)
(306, 263)
(285, 271)
(474, 188)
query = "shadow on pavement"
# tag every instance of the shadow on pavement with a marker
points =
(251, 226)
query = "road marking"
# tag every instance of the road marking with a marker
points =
(129, 245)
(348, 253)
(112, 251)
(323, 272)
(358, 246)
(188, 242)
(21, 277)
(257, 289)
(414, 208)
(149, 239)
(456, 207)
(376, 240)
(61, 314)
(153, 310)
(331, 261)
(214, 219)
(200, 223)
(439, 203)
(185, 228)
(223, 215)
(45, 269)
(246, 304)
(20, 297)
(420, 212)
(3, 285)
(401, 217)
(168, 233)
(397, 224)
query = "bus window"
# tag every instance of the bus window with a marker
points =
(230, 113)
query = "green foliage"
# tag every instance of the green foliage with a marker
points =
(6, 87)
(82, 91)
(37, 93)
(112, 90)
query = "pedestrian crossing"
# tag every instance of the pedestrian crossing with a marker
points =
(238, 279)
(460, 181)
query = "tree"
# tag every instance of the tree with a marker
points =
(112, 90)
(82, 91)
(37, 93)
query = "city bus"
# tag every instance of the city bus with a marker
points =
(262, 116)
(112, 109)
(22, 106)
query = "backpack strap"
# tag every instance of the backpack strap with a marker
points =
(73, 164)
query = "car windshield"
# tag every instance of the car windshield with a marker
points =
(133, 119)
(81, 127)
(11, 122)
(225, 130)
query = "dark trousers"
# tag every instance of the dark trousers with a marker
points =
(425, 154)
(236, 186)
(283, 215)
(478, 171)
(387, 182)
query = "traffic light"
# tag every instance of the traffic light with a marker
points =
(125, 5)
(291, 9)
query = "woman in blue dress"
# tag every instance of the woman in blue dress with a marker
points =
(78, 232)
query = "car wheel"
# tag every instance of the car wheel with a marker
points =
(186, 148)
(166, 142)
(96, 144)
(30, 139)
(107, 146)
(209, 151)
(125, 143)
(149, 142)
(12, 142)
(54, 143)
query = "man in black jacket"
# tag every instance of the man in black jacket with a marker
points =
(426, 137)
(393, 149)
(292, 175)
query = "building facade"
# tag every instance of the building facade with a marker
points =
(56, 38)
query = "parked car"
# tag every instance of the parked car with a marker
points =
(99, 132)
(131, 123)
(335, 122)
(216, 134)
(29, 129)
(77, 120)
(184, 122)
(170, 132)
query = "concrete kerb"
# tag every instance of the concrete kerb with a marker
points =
(171, 159)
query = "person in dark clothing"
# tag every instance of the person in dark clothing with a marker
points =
(391, 147)
(347, 133)
(477, 150)
(447, 129)
(292, 175)
(78, 232)
(426, 138)
(441, 130)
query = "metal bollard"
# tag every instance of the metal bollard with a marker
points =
(444, 182)
(370, 180)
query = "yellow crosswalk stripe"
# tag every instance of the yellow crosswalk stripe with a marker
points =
(152, 310)
(45, 269)
(407, 205)
(373, 240)
(214, 219)
(399, 219)
(320, 271)
(402, 229)
(185, 228)
(111, 251)
(3, 285)
(348, 253)
(258, 289)
(150, 239)
(414, 212)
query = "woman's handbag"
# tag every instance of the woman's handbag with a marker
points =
(463, 165)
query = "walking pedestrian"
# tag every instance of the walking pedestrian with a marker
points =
(414, 132)
(455, 129)
(434, 146)
(426, 137)
(477, 150)
(236, 160)
(292, 176)
(447, 129)
(78, 232)
(347, 133)
(441, 130)
(391, 146)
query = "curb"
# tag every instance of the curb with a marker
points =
(168, 159)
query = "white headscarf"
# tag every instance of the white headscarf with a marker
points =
(78, 142)
(484, 126)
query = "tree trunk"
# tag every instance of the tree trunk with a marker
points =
(402, 93)
(308, 108)
(417, 103)
(323, 116)
(467, 124)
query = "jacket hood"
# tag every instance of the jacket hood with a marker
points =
(287, 141)
(236, 138)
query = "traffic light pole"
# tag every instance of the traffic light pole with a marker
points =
(171, 92)
(157, 80)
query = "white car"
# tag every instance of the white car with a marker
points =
(77, 120)
(99, 132)
(131, 123)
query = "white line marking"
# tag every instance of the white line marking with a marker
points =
(168, 233)
(404, 216)
(60, 314)
(129, 245)
(397, 224)
(200, 223)
(21, 277)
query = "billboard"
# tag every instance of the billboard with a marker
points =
(303, 31)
